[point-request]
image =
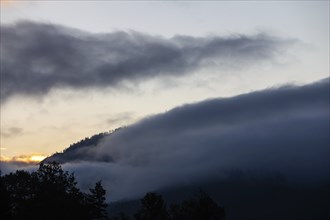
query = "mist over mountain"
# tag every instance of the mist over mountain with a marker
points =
(270, 145)
(78, 151)
(282, 130)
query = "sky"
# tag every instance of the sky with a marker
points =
(71, 69)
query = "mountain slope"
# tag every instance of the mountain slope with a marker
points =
(263, 155)
(79, 151)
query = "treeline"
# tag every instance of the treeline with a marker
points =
(77, 151)
(199, 207)
(51, 193)
(90, 141)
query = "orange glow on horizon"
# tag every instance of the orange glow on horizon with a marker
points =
(37, 158)
(33, 159)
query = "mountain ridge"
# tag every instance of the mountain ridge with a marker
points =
(76, 151)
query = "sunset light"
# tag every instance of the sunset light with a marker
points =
(35, 158)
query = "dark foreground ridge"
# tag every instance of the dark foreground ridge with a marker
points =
(51, 193)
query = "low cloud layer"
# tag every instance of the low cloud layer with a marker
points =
(38, 57)
(283, 131)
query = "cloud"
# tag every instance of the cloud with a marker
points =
(281, 130)
(11, 132)
(38, 57)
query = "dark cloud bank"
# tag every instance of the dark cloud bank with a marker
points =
(282, 131)
(37, 57)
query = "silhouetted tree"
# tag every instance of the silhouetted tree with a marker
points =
(21, 187)
(153, 208)
(49, 193)
(4, 201)
(57, 190)
(175, 212)
(200, 207)
(96, 201)
(122, 216)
